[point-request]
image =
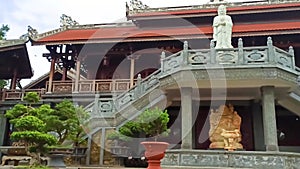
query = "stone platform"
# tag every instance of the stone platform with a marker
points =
(235, 159)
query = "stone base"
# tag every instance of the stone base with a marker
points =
(235, 159)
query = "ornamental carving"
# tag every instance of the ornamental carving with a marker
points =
(67, 21)
(32, 32)
(137, 4)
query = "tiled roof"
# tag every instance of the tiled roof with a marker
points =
(133, 33)
(235, 9)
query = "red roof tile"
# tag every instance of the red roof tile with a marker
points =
(131, 33)
(229, 9)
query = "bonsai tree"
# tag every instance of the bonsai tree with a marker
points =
(125, 133)
(30, 128)
(153, 122)
(33, 125)
(65, 121)
(150, 123)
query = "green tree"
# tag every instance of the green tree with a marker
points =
(30, 128)
(154, 123)
(3, 30)
(65, 120)
(33, 124)
(150, 123)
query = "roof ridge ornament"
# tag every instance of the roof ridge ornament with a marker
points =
(32, 33)
(137, 5)
(67, 21)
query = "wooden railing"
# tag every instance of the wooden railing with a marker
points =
(67, 87)
(90, 86)
(19, 94)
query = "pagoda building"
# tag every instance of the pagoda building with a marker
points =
(14, 66)
(166, 58)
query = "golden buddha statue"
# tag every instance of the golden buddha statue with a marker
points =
(225, 126)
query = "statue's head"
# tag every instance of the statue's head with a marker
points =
(222, 10)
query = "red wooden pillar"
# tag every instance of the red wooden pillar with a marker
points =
(51, 74)
(13, 82)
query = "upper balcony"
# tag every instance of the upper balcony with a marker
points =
(239, 58)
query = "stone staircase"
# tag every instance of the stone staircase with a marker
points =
(201, 64)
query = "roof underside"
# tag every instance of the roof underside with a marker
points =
(15, 58)
(133, 33)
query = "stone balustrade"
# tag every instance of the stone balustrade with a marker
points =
(267, 56)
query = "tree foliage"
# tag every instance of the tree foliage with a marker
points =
(65, 120)
(3, 30)
(3, 83)
(34, 124)
(151, 123)
(154, 122)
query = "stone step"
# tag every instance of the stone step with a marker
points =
(164, 167)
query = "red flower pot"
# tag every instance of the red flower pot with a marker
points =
(155, 151)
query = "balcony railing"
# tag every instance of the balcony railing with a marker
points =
(90, 86)
(68, 87)
(19, 94)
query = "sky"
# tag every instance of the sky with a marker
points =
(44, 15)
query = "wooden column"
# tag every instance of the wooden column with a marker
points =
(64, 75)
(51, 74)
(13, 82)
(132, 65)
(77, 77)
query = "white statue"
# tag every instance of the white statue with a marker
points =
(222, 26)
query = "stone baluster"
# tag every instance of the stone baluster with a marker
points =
(240, 51)
(96, 105)
(212, 52)
(271, 50)
(162, 58)
(185, 53)
(292, 53)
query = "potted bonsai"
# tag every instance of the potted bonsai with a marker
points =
(153, 122)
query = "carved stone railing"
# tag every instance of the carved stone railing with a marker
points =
(142, 87)
(187, 59)
(232, 58)
(235, 159)
(19, 94)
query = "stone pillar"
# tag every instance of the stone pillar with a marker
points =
(269, 118)
(258, 131)
(51, 74)
(89, 145)
(102, 147)
(186, 118)
(3, 121)
(77, 77)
